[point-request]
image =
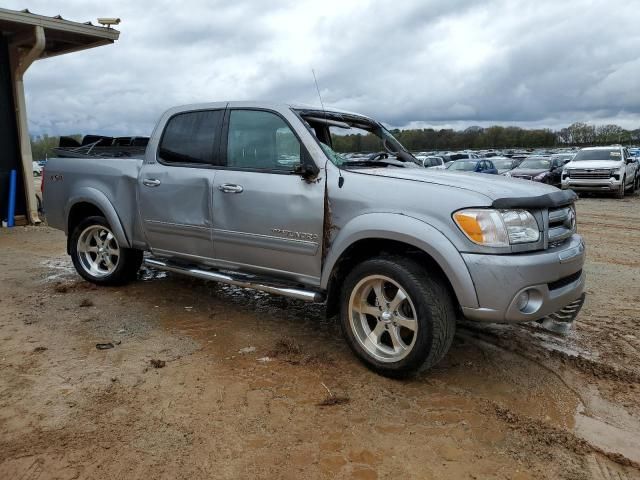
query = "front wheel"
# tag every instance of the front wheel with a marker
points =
(97, 255)
(620, 191)
(397, 317)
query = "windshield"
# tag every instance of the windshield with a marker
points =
(501, 164)
(357, 141)
(599, 154)
(535, 163)
(461, 165)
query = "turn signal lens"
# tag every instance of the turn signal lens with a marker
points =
(497, 228)
(482, 226)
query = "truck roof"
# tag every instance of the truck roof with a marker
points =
(269, 105)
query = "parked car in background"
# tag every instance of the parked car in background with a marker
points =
(453, 156)
(479, 165)
(564, 157)
(602, 169)
(432, 162)
(37, 169)
(539, 169)
(504, 164)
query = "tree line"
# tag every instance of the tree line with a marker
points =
(577, 134)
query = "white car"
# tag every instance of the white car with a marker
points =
(431, 162)
(602, 169)
(37, 169)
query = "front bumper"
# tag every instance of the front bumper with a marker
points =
(554, 278)
(592, 185)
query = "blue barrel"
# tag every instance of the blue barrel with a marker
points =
(12, 199)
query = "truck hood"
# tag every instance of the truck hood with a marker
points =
(496, 187)
(594, 164)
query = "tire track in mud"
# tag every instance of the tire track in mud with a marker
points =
(550, 435)
(539, 430)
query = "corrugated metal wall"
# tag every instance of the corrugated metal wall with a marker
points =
(9, 150)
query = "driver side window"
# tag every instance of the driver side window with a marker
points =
(260, 140)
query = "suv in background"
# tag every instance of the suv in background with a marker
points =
(602, 169)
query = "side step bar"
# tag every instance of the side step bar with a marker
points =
(306, 295)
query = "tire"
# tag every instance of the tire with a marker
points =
(397, 351)
(92, 238)
(620, 191)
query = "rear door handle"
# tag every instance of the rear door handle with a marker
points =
(151, 182)
(230, 188)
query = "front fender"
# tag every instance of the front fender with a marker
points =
(100, 200)
(409, 230)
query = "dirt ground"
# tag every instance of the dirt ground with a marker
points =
(211, 381)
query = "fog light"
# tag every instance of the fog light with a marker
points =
(522, 301)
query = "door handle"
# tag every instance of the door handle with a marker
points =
(151, 182)
(230, 188)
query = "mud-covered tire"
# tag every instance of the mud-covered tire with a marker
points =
(98, 257)
(429, 301)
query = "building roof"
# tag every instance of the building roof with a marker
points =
(62, 36)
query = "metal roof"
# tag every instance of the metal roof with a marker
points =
(62, 36)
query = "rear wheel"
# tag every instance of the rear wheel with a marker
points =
(97, 255)
(396, 317)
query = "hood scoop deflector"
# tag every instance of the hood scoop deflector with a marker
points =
(560, 198)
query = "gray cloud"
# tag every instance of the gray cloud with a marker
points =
(419, 63)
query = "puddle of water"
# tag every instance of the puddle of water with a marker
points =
(61, 268)
(146, 274)
(606, 424)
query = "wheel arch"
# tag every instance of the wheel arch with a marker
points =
(91, 202)
(363, 238)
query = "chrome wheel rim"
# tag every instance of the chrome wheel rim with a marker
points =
(383, 318)
(98, 251)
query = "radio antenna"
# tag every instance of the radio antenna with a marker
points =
(318, 90)
(340, 177)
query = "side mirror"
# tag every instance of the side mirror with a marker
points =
(307, 169)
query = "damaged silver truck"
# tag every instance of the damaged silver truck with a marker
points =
(253, 194)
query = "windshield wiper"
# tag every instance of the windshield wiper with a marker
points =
(373, 163)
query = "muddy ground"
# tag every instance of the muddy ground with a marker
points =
(209, 381)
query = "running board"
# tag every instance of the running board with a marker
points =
(306, 295)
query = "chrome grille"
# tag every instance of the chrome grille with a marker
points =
(562, 224)
(589, 174)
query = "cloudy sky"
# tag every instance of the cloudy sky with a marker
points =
(452, 63)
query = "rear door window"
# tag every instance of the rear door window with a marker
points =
(191, 138)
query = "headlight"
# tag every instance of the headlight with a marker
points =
(541, 176)
(497, 228)
(507, 174)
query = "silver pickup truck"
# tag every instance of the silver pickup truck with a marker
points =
(253, 194)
